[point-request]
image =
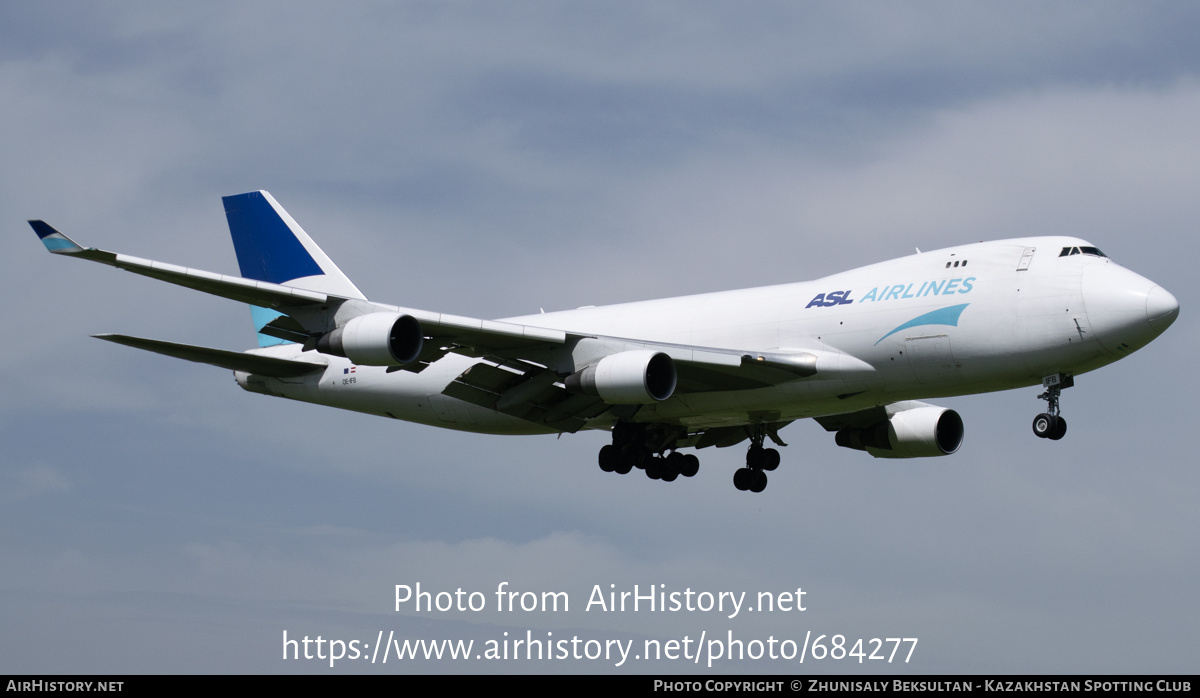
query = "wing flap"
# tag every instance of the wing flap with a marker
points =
(526, 391)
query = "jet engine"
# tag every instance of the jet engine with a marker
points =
(636, 377)
(917, 433)
(376, 339)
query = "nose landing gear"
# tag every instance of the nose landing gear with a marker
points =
(1050, 424)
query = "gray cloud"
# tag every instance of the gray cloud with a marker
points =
(488, 161)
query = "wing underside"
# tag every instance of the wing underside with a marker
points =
(527, 391)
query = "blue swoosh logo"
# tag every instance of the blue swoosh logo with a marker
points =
(943, 316)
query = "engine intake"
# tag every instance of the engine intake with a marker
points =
(377, 339)
(918, 433)
(628, 378)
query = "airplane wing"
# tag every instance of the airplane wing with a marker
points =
(294, 301)
(232, 360)
(259, 293)
(521, 372)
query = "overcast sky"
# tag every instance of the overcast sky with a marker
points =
(490, 159)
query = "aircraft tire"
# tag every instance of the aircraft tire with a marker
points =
(770, 459)
(1043, 425)
(759, 483)
(742, 478)
(610, 458)
(623, 467)
(691, 465)
(756, 457)
(654, 468)
(1060, 430)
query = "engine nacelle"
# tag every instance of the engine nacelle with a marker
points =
(636, 377)
(377, 339)
(916, 433)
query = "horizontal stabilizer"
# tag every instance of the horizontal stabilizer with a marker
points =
(232, 360)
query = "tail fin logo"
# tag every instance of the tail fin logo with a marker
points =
(267, 247)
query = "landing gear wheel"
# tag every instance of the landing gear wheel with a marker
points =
(691, 465)
(646, 447)
(1060, 430)
(758, 459)
(1044, 425)
(610, 458)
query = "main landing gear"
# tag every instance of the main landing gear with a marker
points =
(652, 448)
(634, 446)
(1050, 424)
(758, 459)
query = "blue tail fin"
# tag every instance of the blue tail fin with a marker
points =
(271, 246)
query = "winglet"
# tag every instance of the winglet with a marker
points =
(54, 241)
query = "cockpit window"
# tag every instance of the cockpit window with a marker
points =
(1094, 251)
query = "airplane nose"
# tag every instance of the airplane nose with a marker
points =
(1125, 311)
(1161, 308)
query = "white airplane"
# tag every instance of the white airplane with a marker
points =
(854, 351)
